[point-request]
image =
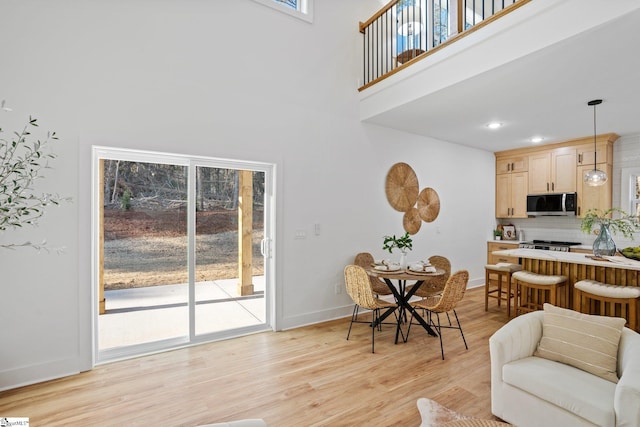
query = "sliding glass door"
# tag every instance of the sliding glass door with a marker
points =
(179, 250)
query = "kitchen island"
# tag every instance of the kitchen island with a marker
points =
(616, 270)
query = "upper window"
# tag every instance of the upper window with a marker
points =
(630, 191)
(302, 9)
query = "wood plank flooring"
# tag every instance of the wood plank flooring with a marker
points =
(310, 376)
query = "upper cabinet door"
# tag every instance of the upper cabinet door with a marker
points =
(540, 173)
(563, 170)
(511, 164)
(519, 195)
(553, 171)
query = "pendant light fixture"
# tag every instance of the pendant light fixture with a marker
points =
(595, 177)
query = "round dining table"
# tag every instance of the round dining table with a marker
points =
(402, 296)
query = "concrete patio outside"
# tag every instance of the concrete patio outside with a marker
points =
(141, 315)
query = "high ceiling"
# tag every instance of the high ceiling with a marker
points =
(543, 94)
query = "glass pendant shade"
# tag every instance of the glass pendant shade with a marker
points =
(595, 177)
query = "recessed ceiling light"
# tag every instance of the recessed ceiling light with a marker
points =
(536, 139)
(494, 125)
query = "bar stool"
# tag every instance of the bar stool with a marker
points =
(592, 297)
(531, 290)
(503, 272)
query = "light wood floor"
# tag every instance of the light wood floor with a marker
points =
(310, 376)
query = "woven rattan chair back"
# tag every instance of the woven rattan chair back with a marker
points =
(443, 263)
(359, 289)
(365, 259)
(436, 284)
(452, 293)
(445, 303)
(358, 286)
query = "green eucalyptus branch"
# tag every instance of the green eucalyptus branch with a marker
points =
(403, 243)
(22, 162)
(623, 223)
(37, 246)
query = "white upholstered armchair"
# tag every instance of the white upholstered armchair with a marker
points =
(534, 391)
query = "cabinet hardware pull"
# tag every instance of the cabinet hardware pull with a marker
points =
(547, 186)
(553, 186)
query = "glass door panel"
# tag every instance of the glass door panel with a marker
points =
(144, 269)
(229, 276)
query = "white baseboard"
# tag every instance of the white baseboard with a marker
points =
(37, 373)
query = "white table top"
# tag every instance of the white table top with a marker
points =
(571, 257)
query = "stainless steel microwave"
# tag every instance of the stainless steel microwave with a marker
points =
(558, 204)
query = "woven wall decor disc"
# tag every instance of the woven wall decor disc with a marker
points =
(428, 204)
(401, 187)
(412, 221)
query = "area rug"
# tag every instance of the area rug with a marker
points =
(434, 414)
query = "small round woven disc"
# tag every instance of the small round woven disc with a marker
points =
(411, 221)
(428, 204)
(401, 187)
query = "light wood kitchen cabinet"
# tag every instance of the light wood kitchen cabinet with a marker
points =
(553, 171)
(512, 164)
(500, 245)
(593, 197)
(552, 168)
(511, 195)
(603, 151)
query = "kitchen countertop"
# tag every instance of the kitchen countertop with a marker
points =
(571, 257)
(517, 242)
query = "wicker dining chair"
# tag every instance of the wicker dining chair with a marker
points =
(378, 286)
(359, 289)
(434, 285)
(444, 303)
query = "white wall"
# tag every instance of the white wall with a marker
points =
(229, 79)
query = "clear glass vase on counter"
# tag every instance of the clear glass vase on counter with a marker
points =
(604, 244)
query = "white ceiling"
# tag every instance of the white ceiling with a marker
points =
(544, 93)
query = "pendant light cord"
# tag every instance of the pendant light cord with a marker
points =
(595, 150)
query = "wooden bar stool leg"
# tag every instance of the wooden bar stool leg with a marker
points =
(486, 290)
(509, 296)
(553, 294)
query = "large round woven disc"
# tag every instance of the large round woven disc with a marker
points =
(401, 187)
(411, 221)
(428, 204)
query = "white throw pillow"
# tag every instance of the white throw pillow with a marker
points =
(584, 341)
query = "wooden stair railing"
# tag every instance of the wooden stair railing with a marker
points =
(406, 31)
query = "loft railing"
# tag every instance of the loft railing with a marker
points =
(405, 31)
